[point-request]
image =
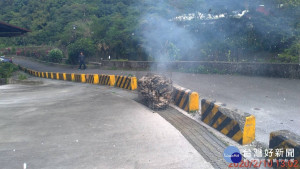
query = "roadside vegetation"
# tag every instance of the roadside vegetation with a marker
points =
(22, 76)
(7, 69)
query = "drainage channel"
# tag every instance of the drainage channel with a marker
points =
(208, 145)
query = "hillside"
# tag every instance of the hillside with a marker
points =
(161, 30)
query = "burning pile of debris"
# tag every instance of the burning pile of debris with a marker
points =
(155, 91)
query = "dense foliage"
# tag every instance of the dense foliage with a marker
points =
(127, 29)
(55, 55)
(83, 45)
(6, 69)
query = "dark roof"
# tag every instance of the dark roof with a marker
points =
(7, 30)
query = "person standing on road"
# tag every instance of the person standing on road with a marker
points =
(81, 58)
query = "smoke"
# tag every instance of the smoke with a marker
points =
(196, 29)
(163, 39)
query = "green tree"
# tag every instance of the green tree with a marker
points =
(55, 55)
(82, 45)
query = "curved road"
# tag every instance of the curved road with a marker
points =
(275, 102)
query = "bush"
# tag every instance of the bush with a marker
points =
(27, 53)
(287, 58)
(22, 77)
(55, 55)
(290, 55)
(82, 45)
(13, 51)
(37, 52)
(6, 69)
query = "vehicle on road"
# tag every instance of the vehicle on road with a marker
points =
(5, 59)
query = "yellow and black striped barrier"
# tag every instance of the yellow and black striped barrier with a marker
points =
(29, 71)
(21, 68)
(32, 72)
(62, 76)
(57, 76)
(48, 75)
(125, 82)
(236, 125)
(104, 79)
(79, 78)
(92, 79)
(69, 77)
(53, 75)
(185, 99)
(107, 80)
(289, 144)
(101, 79)
(25, 70)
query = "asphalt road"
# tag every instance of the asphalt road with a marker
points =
(65, 125)
(275, 102)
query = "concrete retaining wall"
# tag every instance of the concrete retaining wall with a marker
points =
(238, 126)
(2, 81)
(253, 69)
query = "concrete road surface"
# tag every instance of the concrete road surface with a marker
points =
(73, 125)
(275, 102)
